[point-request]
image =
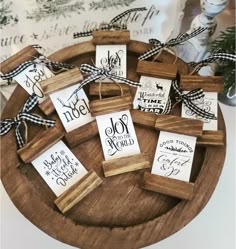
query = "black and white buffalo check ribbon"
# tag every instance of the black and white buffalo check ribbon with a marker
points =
(188, 99)
(113, 24)
(96, 73)
(40, 60)
(24, 115)
(218, 57)
(158, 45)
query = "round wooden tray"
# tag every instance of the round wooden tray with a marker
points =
(119, 214)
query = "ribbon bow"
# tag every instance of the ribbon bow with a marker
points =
(101, 73)
(111, 25)
(40, 60)
(171, 43)
(188, 99)
(7, 124)
(218, 56)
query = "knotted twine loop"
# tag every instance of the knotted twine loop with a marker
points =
(158, 45)
(168, 49)
(188, 99)
(217, 56)
(100, 89)
(96, 73)
(112, 25)
(23, 116)
(37, 60)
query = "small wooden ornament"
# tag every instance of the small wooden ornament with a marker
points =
(101, 37)
(160, 70)
(40, 144)
(108, 89)
(125, 164)
(207, 83)
(108, 105)
(78, 191)
(57, 83)
(179, 125)
(82, 134)
(168, 186)
(212, 138)
(62, 80)
(26, 54)
(172, 152)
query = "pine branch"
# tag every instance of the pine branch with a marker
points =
(226, 41)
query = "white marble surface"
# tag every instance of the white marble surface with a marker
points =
(214, 227)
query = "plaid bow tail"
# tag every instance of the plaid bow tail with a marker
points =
(188, 99)
(7, 124)
(96, 73)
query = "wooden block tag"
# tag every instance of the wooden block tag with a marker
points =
(78, 191)
(179, 125)
(101, 37)
(209, 104)
(212, 138)
(112, 55)
(168, 186)
(61, 81)
(153, 94)
(207, 83)
(39, 144)
(26, 54)
(125, 164)
(73, 109)
(117, 135)
(108, 89)
(155, 69)
(109, 105)
(174, 156)
(82, 134)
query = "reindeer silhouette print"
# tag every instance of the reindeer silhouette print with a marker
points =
(159, 87)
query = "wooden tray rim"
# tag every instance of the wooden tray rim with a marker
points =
(9, 173)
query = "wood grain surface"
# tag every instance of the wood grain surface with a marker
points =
(112, 104)
(78, 191)
(82, 134)
(27, 54)
(168, 186)
(47, 106)
(108, 89)
(185, 126)
(207, 83)
(61, 81)
(119, 214)
(126, 164)
(159, 70)
(101, 37)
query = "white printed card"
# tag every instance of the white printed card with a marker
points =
(174, 156)
(73, 112)
(59, 167)
(209, 104)
(117, 135)
(153, 95)
(115, 55)
(29, 79)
